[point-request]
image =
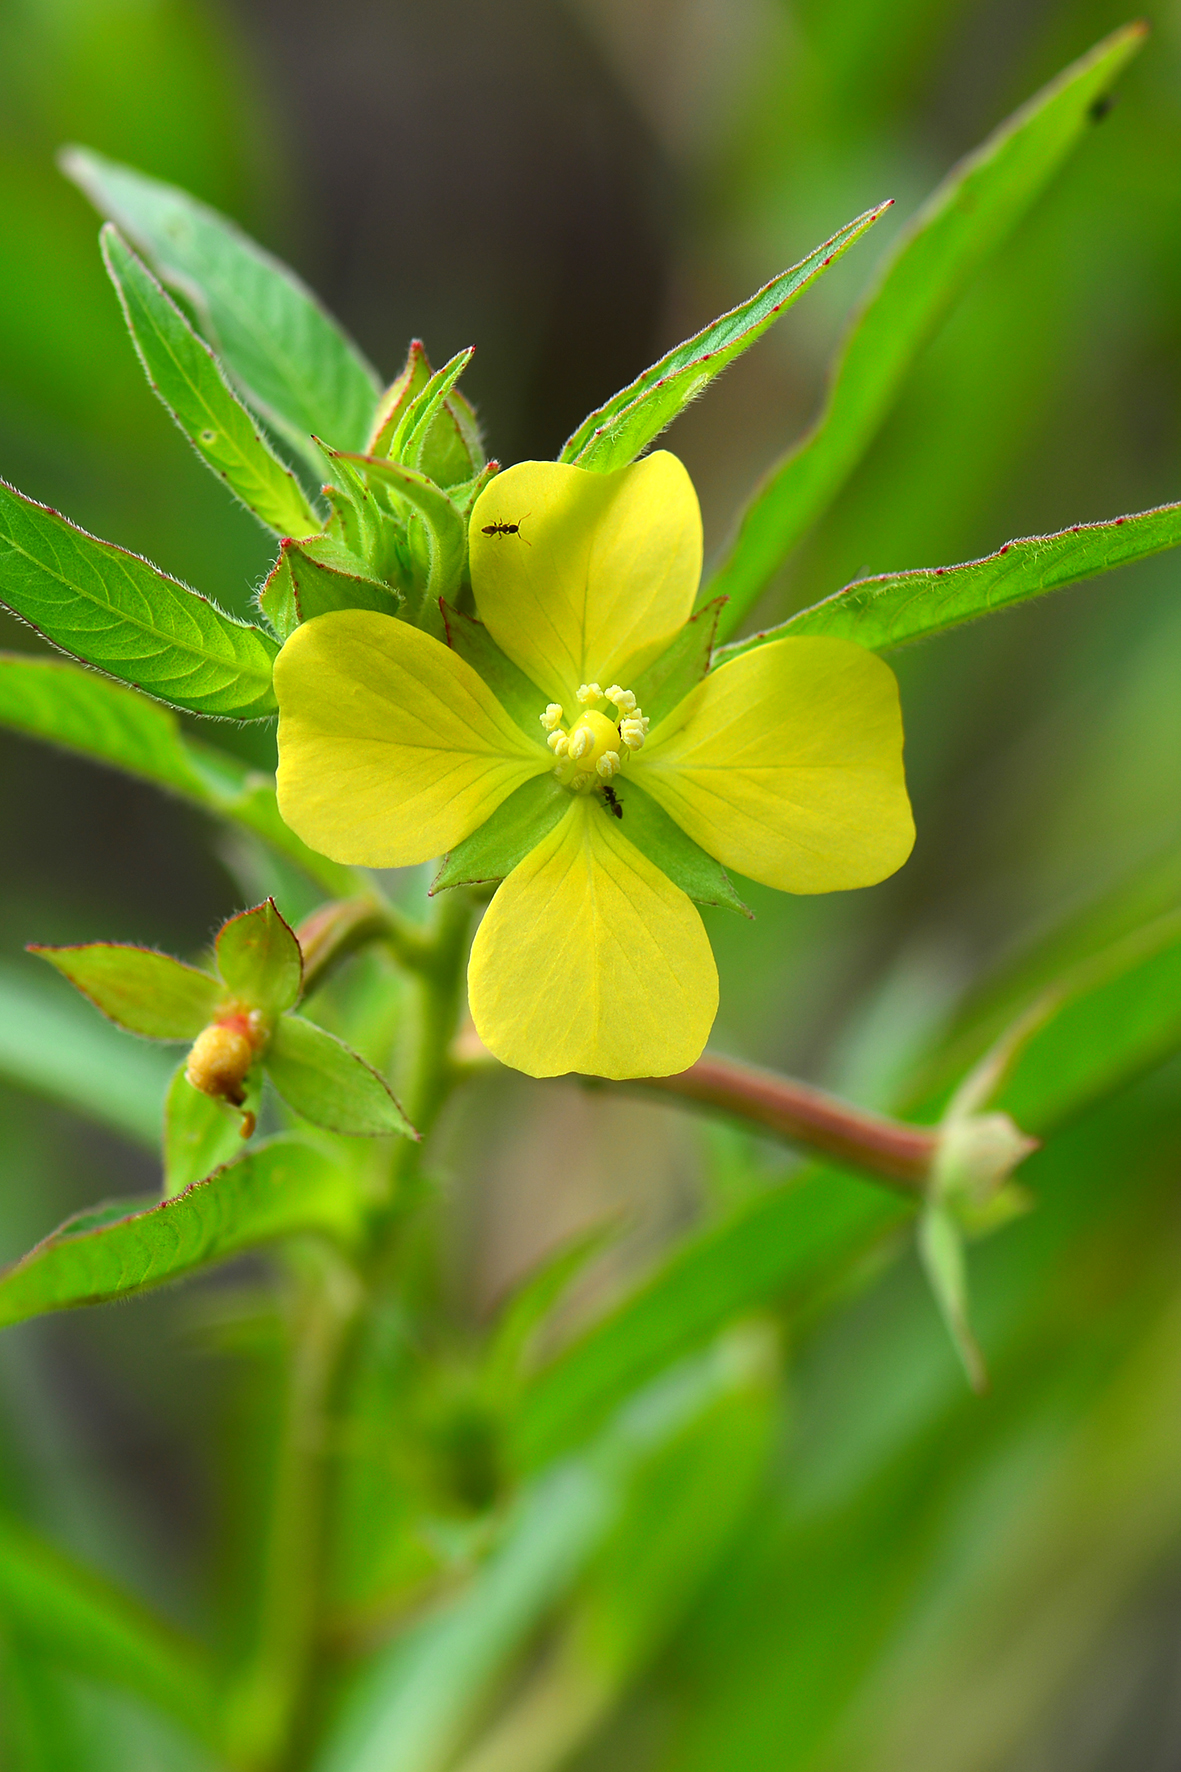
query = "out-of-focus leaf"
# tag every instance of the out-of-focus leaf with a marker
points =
(327, 1083)
(777, 1246)
(145, 992)
(77, 1620)
(973, 210)
(941, 1247)
(58, 1047)
(291, 360)
(525, 1311)
(119, 612)
(200, 1134)
(617, 432)
(662, 840)
(513, 832)
(415, 1701)
(259, 958)
(901, 606)
(186, 375)
(66, 705)
(279, 1189)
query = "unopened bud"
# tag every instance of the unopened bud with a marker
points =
(222, 1054)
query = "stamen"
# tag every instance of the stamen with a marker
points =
(552, 718)
(624, 700)
(589, 692)
(559, 743)
(608, 764)
(581, 781)
(634, 730)
(581, 741)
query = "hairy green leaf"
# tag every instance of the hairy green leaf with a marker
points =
(446, 529)
(58, 1047)
(975, 208)
(279, 1189)
(662, 840)
(78, 1620)
(259, 958)
(315, 577)
(187, 377)
(117, 611)
(327, 1083)
(145, 992)
(451, 452)
(898, 607)
(616, 433)
(513, 832)
(201, 1134)
(66, 705)
(408, 440)
(291, 360)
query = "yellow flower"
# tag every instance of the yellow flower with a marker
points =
(785, 763)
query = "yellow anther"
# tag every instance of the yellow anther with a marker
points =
(559, 743)
(552, 718)
(581, 781)
(633, 731)
(581, 741)
(608, 764)
(624, 700)
(589, 692)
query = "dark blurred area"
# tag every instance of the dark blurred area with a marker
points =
(572, 188)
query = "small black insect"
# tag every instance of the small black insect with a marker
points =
(507, 529)
(612, 803)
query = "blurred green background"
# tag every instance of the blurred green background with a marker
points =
(924, 1579)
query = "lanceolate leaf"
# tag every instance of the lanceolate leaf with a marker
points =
(259, 959)
(78, 1620)
(277, 1190)
(117, 611)
(974, 209)
(65, 705)
(617, 432)
(184, 372)
(327, 1083)
(292, 361)
(901, 606)
(145, 992)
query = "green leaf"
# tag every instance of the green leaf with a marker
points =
(976, 207)
(409, 438)
(77, 1620)
(391, 408)
(329, 1084)
(517, 694)
(200, 1134)
(259, 958)
(452, 454)
(66, 705)
(58, 1047)
(778, 1246)
(145, 992)
(898, 607)
(446, 529)
(282, 1188)
(315, 577)
(662, 840)
(617, 432)
(668, 680)
(291, 360)
(186, 375)
(941, 1249)
(505, 1358)
(117, 611)
(513, 832)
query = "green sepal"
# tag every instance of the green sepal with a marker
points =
(445, 559)
(513, 832)
(119, 612)
(315, 577)
(452, 454)
(409, 439)
(145, 992)
(201, 1134)
(668, 680)
(517, 694)
(617, 432)
(464, 496)
(392, 406)
(662, 840)
(941, 1250)
(326, 1082)
(186, 375)
(259, 958)
(358, 522)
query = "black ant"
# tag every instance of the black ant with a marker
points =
(612, 803)
(508, 529)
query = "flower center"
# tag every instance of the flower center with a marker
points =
(596, 746)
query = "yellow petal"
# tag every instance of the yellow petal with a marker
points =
(786, 764)
(600, 567)
(589, 959)
(391, 748)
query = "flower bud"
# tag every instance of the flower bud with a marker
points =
(223, 1053)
